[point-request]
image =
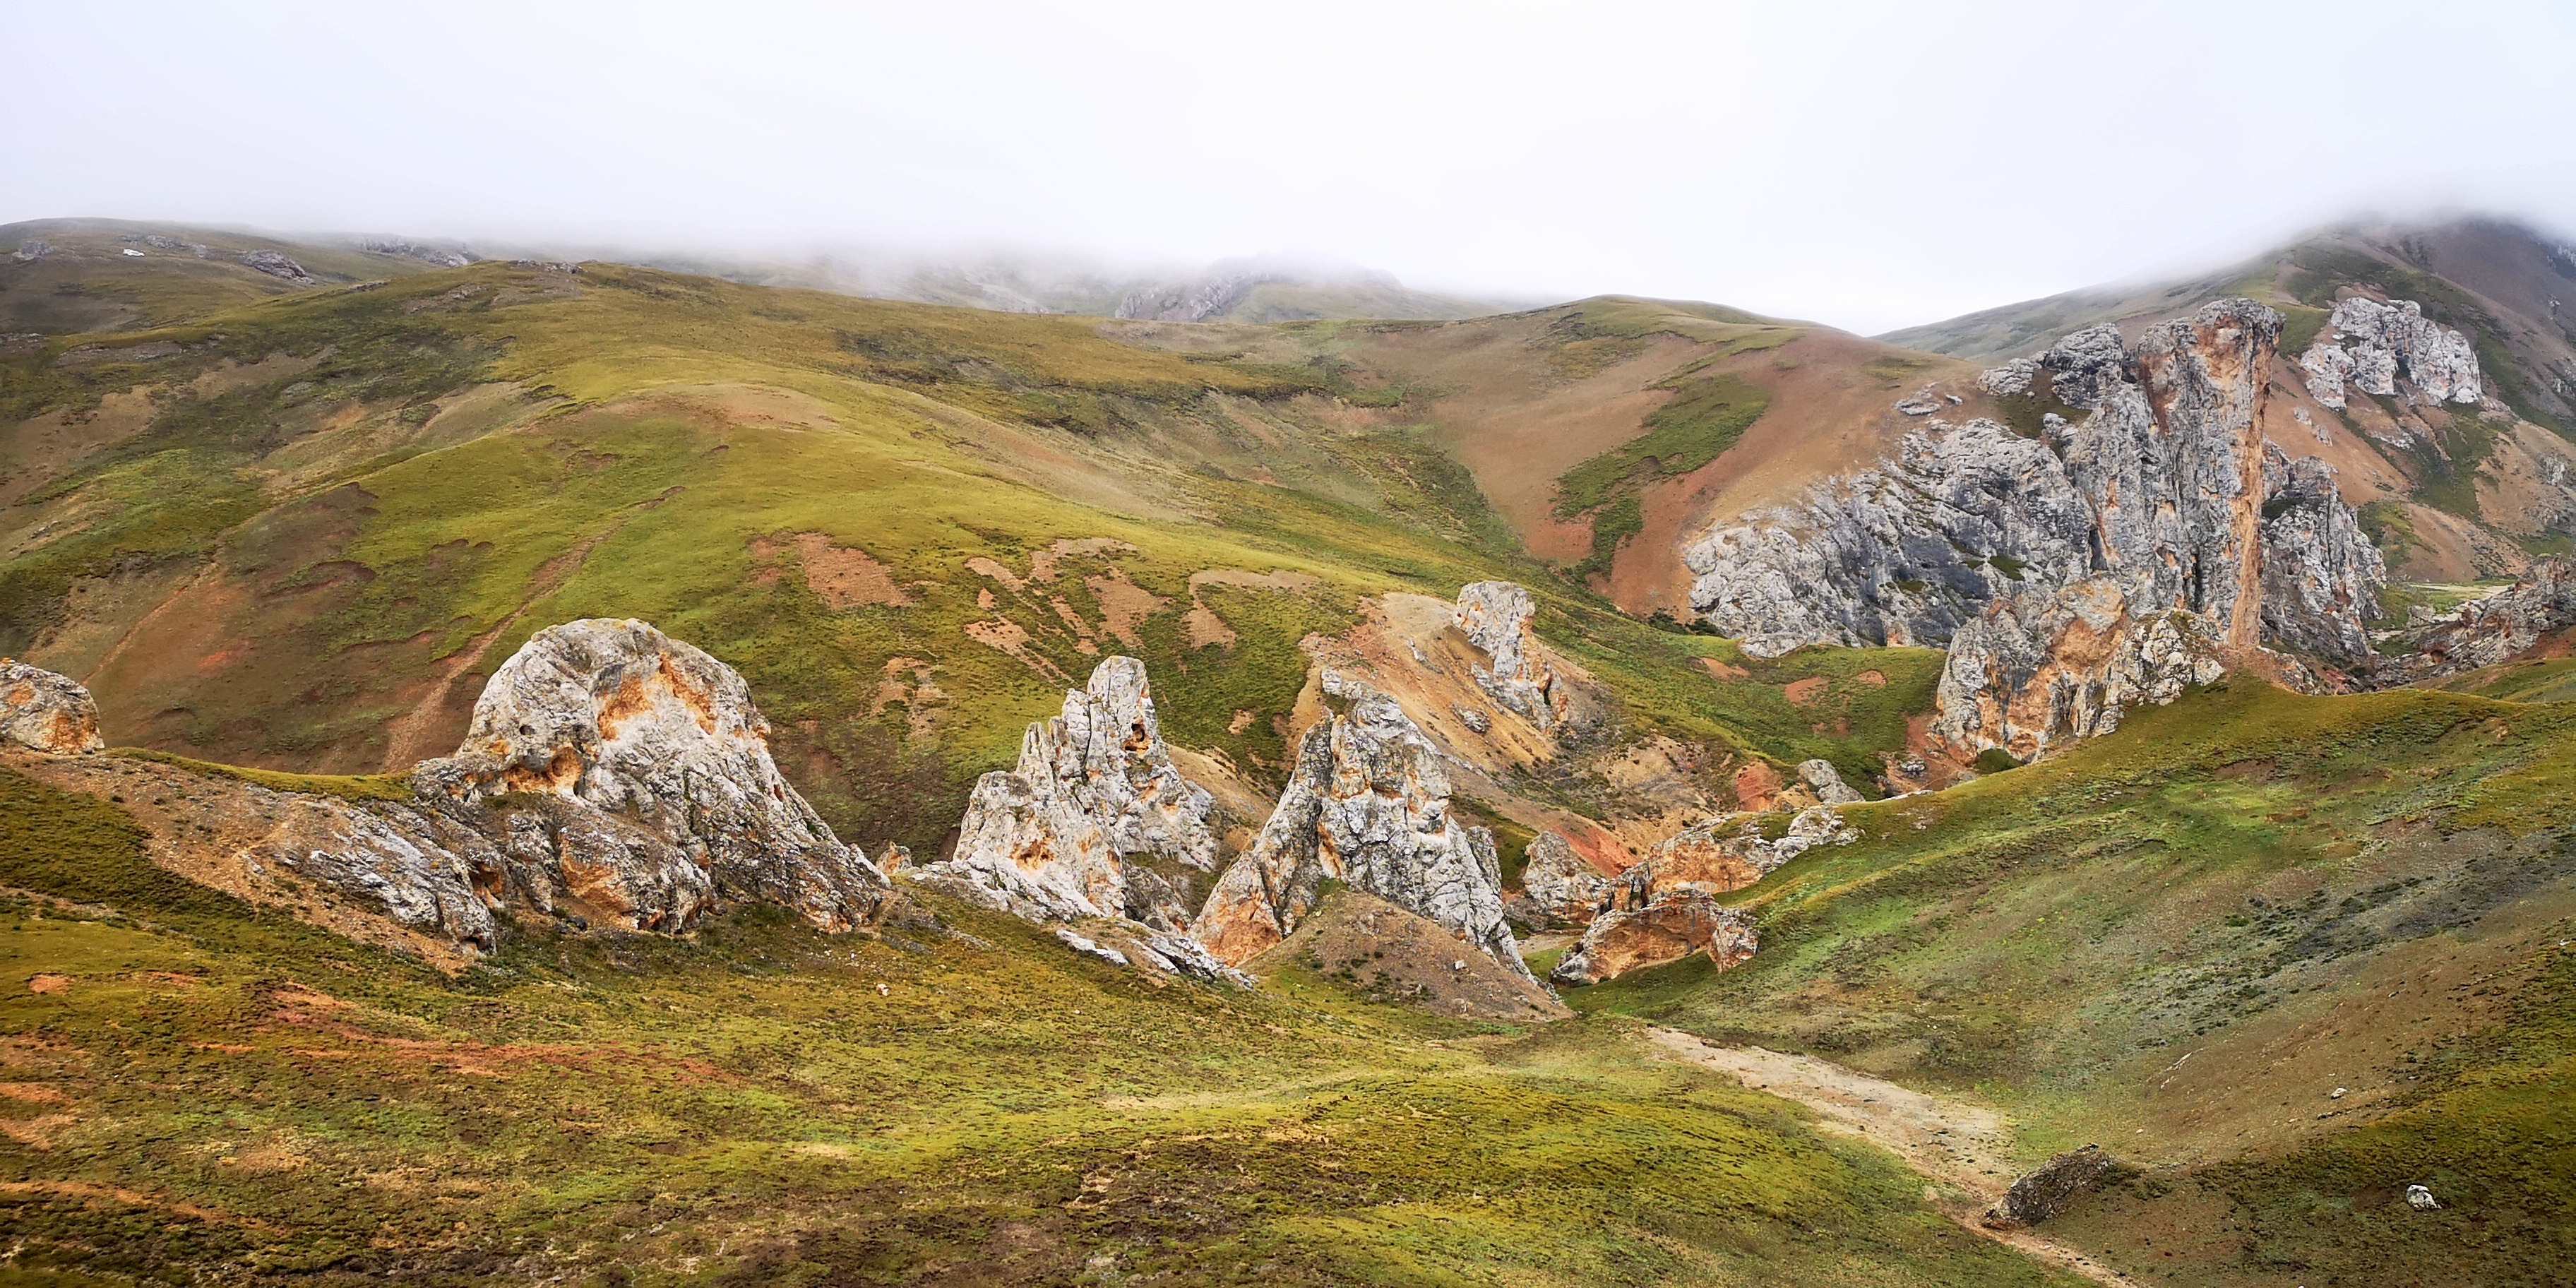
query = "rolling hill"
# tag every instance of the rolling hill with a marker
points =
(2279, 954)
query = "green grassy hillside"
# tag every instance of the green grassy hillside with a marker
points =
(301, 534)
(195, 1093)
(2181, 940)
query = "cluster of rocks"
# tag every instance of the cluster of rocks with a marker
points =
(611, 777)
(29, 251)
(2498, 628)
(2366, 341)
(2113, 561)
(401, 249)
(1665, 908)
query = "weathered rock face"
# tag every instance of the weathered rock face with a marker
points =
(2206, 542)
(1367, 804)
(2498, 628)
(2321, 573)
(277, 265)
(1827, 782)
(42, 711)
(2049, 1191)
(639, 728)
(1496, 618)
(2040, 672)
(1728, 854)
(2364, 343)
(1668, 930)
(2162, 488)
(1068, 832)
(1558, 888)
(1901, 553)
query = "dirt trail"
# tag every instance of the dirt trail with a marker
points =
(1960, 1147)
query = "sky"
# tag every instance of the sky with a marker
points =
(1865, 165)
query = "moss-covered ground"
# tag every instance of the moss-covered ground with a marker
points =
(195, 1093)
(2176, 941)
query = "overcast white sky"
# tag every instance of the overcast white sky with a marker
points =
(1867, 165)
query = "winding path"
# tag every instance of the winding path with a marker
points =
(1959, 1147)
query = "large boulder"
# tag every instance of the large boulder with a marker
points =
(1671, 928)
(615, 730)
(1367, 805)
(42, 711)
(2051, 1189)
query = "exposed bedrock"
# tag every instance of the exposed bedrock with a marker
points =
(1075, 830)
(2149, 546)
(42, 711)
(611, 778)
(2365, 342)
(1367, 805)
(2537, 610)
(1671, 928)
(648, 755)
(2162, 486)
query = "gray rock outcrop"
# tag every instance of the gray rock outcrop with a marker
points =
(1495, 615)
(2209, 542)
(2038, 672)
(2162, 487)
(2051, 1189)
(1367, 805)
(42, 711)
(2496, 629)
(30, 251)
(1558, 888)
(1902, 552)
(1828, 783)
(1665, 931)
(622, 734)
(1728, 853)
(1073, 832)
(2366, 341)
(276, 264)
(2321, 574)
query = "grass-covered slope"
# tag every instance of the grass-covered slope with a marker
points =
(2180, 942)
(298, 534)
(193, 1093)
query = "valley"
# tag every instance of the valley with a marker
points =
(593, 773)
